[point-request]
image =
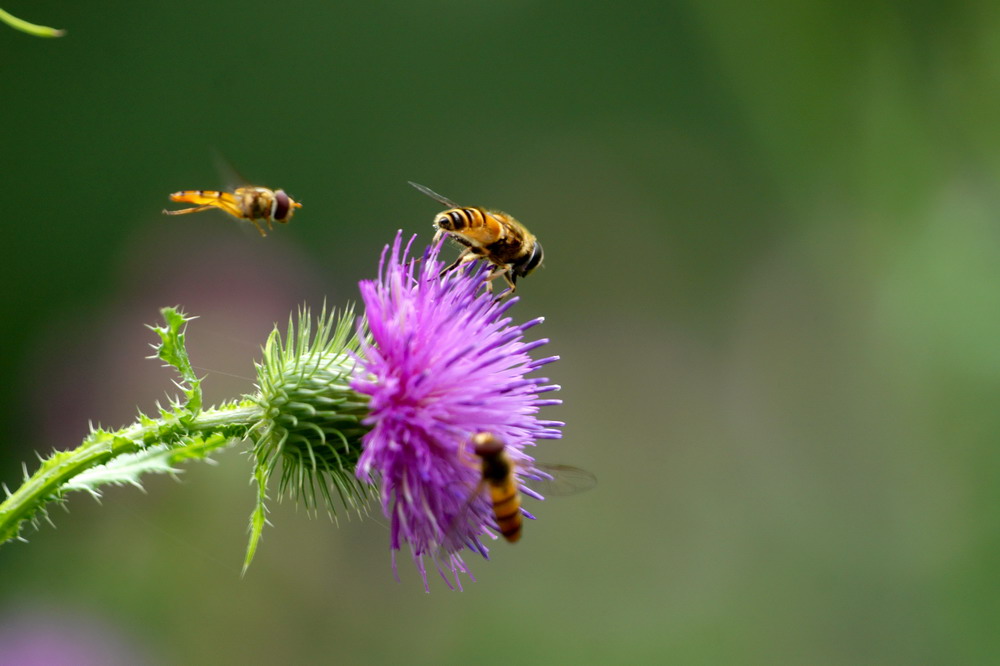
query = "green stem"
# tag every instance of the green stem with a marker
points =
(46, 484)
(30, 28)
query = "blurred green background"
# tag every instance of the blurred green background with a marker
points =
(772, 244)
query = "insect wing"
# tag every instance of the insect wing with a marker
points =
(444, 201)
(459, 521)
(565, 480)
(231, 178)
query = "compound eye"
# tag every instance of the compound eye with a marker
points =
(282, 204)
(533, 260)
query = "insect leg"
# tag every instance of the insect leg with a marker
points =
(263, 234)
(185, 211)
(496, 272)
(510, 277)
(465, 256)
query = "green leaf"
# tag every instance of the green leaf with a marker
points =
(173, 352)
(160, 459)
(259, 516)
(148, 446)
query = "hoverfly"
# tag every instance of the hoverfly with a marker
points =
(487, 234)
(243, 201)
(499, 479)
(246, 203)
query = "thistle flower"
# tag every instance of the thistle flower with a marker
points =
(443, 362)
(397, 404)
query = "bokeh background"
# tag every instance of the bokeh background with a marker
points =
(772, 237)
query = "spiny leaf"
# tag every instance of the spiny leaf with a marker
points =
(259, 516)
(127, 469)
(173, 352)
(120, 457)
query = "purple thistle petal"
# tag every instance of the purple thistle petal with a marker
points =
(443, 362)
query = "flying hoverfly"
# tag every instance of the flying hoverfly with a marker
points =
(487, 234)
(244, 201)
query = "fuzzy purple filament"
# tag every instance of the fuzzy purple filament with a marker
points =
(443, 362)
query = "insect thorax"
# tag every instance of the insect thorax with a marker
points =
(256, 202)
(496, 470)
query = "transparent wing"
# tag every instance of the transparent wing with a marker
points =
(231, 178)
(460, 521)
(444, 201)
(566, 480)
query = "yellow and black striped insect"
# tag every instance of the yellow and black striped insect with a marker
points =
(246, 203)
(499, 479)
(487, 234)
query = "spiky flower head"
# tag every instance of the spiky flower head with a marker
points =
(312, 418)
(443, 362)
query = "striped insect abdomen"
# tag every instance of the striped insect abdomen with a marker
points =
(507, 508)
(197, 196)
(474, 225)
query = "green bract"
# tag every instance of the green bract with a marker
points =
(312, 418)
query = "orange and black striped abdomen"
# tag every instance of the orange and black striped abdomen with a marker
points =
(199, 196)
(472, 226)
(507, 508)
(206, 200)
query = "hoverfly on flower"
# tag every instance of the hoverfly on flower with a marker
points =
(498, 477)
